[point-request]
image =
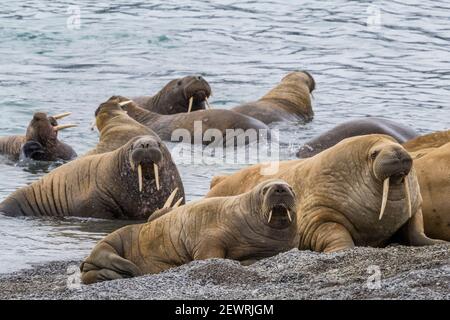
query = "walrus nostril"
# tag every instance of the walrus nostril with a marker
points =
(280, 190)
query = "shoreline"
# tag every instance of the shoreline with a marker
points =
(406, 273)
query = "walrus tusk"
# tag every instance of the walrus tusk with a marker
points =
(170, 198)
(64, 126)
(191, 101)
(385, 197)
(123, 103)
(177, 204)
(270, 216)
(289, 215)
(207, 103)
(140, 177)
(155, 169)
(61, 115)
(93, 124)
(408, 196)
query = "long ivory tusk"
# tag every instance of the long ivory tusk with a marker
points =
(140, 177)
(65, 126)
(170, 198)
(177, 204)
(61, 115)
(289, 215)
(385, 197)
(93, 124)
(155, 169)
(207, 103)
(408, 196)
(123, 103)
(270, 216)
(191, 101)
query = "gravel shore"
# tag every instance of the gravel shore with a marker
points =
(406, 273)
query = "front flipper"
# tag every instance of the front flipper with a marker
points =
(413, 233)
(33, 150)
(331, 237)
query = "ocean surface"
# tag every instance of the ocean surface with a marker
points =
(369, 58)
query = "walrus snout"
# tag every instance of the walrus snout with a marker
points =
(197, 91)
(279, 204)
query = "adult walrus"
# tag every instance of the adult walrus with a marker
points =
(251, 226)
(361, 192)
(290, 100)
(433, 171)
(128, 183)
(211, 125)
(40, 141)
(356, 127)
(186, 94)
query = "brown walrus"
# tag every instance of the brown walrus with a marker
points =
(428, 141)
(340, 192)
(289, 101)
(40, 141)
(251, 226)
(128, 183)
(210, 124)
(433, 171)
(180, 95)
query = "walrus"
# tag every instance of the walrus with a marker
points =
(433, 171)
(186, 94)
(40, 141)
(356, 127)
(211, 124)
(289, 101)
(116, 128)
(128, 183)
(248, 227)
(361, 192)
(429, 141)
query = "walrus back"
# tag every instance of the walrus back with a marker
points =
(10, 146)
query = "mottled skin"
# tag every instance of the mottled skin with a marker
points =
(433, 172)
(218, 120)
(39, 143)
(290, 100)
(101, 186)
(357, 127)
(339, 194)
(174, 97)
(230, 227)
(427, 142)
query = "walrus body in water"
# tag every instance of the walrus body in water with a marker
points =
(357, 127)
(248, 227)
(180, 95)
(128, 183)
(290, 100)
(40, 141)
(361, 192)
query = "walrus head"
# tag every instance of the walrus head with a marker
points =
(185, 94)
(302, 76)
(108, 110)
(391, 165)
(42, 134)
(277, 202)
(145, 156)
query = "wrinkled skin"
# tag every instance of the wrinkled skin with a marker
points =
(40, 142)
(233, 228)
(423, 144)
(339, 194)
(290, 100)
(174, 97)
(215, 119)
(352, 128)
(433, 171)
(101, 186)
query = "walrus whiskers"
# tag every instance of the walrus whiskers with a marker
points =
(61, 115)
(408, 196)
(64, 126)
(207, 103)
(191, 101)
(156, 170)
(270, 216)
(140, 177)
(385, 197)
(169, 200)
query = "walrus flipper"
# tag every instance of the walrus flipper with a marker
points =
(331, 237)
(413, 233)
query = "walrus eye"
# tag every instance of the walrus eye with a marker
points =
(374, 154)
